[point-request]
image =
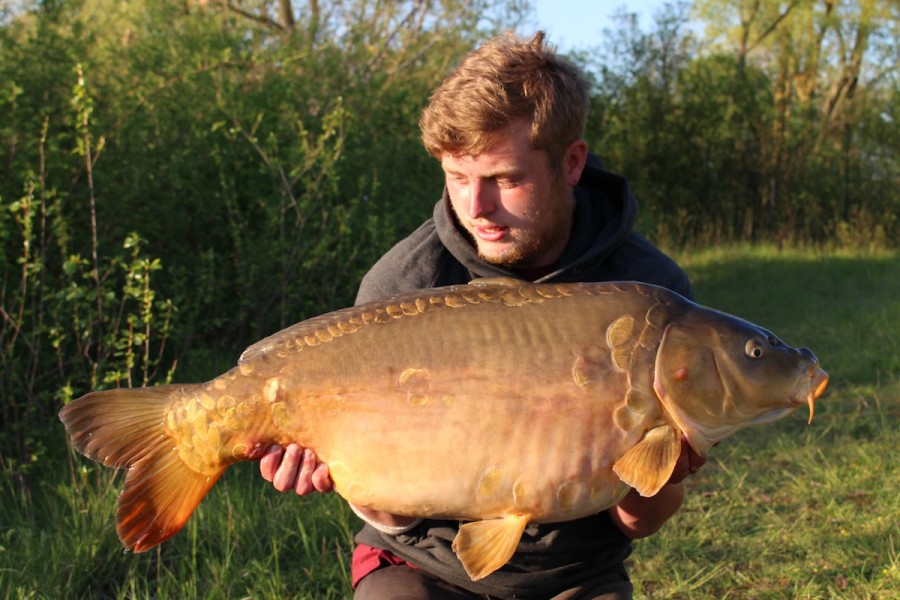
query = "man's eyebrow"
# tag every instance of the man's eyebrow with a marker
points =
(494, 174)
(504, 172)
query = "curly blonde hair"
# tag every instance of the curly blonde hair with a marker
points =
(507, 78)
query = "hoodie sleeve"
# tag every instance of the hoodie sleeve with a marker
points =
(417, 262)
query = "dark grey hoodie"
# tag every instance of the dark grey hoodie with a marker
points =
(603, 247)
(553, 557)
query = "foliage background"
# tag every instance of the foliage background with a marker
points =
(181, 178)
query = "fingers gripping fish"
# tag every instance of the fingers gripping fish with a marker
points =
(447, 403)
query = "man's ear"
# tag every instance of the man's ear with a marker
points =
(574, 160)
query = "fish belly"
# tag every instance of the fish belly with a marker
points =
(547, 457)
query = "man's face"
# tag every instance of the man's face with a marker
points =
(514, 206)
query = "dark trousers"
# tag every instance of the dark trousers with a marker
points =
(406, 583)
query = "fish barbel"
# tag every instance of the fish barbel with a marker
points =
(450, 402)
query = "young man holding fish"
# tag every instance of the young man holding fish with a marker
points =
(523, 198)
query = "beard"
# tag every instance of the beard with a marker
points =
(527, 245)
(533, 235)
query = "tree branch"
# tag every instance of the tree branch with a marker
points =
(261, 19)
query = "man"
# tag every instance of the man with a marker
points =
(523, 198)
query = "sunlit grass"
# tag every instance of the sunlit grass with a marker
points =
(794, 511)
(244, 541)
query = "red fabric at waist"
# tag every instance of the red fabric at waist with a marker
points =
(368, 558)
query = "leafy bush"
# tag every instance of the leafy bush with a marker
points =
(73, 318)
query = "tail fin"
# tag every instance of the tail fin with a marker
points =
(124, 429)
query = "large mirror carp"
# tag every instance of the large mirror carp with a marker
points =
(450, 402)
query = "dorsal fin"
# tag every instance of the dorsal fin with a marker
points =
(511, 291)
(348, 320)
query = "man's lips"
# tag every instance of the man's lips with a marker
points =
(489, 233)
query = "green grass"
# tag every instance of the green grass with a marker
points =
(788, 510)
(244, 541)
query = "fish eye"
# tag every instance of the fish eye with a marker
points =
(754, 349)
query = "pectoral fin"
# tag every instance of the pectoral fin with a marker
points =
(485, 546)
(649, 464)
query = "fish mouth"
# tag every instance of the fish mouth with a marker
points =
(818, 381)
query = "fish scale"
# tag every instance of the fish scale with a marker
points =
(500, 403)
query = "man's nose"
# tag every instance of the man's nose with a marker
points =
(482, 201)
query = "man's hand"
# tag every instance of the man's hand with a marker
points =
(295, 468)
(689, 462)
(638, 517)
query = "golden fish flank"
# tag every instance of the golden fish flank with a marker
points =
(469, 393)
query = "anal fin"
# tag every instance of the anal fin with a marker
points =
(649, 464)
(485, 546)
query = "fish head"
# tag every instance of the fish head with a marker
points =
(716, 374)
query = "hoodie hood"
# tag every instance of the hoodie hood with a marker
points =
(605, 212)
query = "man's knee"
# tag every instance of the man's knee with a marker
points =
(402, 582)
